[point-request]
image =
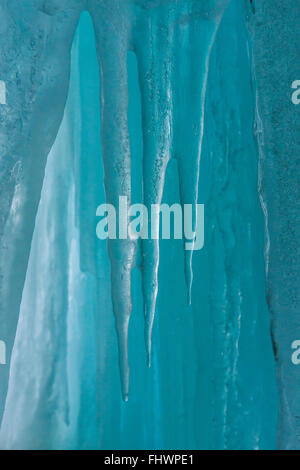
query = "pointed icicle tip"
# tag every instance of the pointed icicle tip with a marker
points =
(148, 360)
(148, 349)
(149, 317)
(125, 386)
(189, 296)
(189, 276)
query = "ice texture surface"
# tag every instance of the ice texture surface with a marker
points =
(34, 58)
(276, 40)
(188, 112)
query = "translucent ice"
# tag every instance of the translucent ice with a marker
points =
(170, 93)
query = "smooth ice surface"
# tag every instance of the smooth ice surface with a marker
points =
(175, 123)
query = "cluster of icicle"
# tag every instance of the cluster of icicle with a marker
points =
(164, 35)
(173, 74)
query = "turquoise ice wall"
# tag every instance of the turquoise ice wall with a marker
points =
(212, 380)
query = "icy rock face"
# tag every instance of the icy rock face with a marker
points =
(276, 38)
(171, 52)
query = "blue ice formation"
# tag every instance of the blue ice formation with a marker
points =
(188, 112)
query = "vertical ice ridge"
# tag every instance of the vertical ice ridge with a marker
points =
(29, 124)
(258, 128)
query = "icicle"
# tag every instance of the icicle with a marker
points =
(173, 81)
(190, 78)
(154, 52)
(112, 51)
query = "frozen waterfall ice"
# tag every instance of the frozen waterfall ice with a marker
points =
(155, 100)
